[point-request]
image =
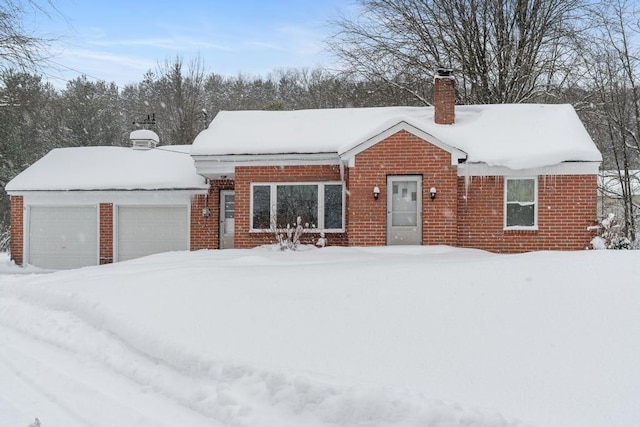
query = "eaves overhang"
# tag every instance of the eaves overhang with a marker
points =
(222, 166)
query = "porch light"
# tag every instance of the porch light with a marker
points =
(432, 193)
(376, 192)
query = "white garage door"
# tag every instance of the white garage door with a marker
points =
(146, 230)
(63, 237)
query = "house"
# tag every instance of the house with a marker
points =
(93, 205)
(505, 178)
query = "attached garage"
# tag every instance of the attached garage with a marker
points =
(61, 237)
(85, 206)
(147, 230)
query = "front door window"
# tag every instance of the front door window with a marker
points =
(227, 221)
(404, 210)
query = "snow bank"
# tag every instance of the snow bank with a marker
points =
(335, 336)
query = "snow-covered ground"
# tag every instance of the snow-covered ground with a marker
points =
(402, 336)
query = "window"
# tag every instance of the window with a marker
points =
(261, 215)
(520, 203)
(295, 201)
(319, 205)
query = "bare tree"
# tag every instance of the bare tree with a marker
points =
(175, 95)
(181, 96)
(612, 63)
(21, 47)
(502, 50)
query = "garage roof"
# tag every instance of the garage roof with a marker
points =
(167, 167)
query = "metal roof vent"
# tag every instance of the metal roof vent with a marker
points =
(144, 139)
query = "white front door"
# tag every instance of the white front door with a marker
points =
(227, 222)
(404, 210)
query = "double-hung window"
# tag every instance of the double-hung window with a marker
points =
(521, 200)
(276, 205)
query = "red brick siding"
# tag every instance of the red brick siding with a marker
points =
(205, 231)
(401, 154)
(566, 207)
(244, 176)
(16, 245)
(106, 233)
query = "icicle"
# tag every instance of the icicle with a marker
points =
(467, 182)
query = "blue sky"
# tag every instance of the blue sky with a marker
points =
(120, 40)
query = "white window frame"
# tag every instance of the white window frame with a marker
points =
(273, 186)
(535, 203)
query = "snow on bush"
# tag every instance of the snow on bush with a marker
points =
(610, 235)
(289, 238)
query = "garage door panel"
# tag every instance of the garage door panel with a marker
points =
(62, 237)
(147, 230)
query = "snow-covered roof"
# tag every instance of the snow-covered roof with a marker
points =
(110, 168)
(518, 136)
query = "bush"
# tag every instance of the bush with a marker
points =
(610, 235)
(289, 238)
(5, 238)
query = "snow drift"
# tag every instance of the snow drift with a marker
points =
(403, 336)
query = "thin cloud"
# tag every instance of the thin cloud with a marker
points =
(82, 55)
(173, 43)
(265, 45)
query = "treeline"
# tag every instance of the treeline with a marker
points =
(501, 51)
(36, 117)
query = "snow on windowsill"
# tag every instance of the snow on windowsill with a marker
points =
(523, 230)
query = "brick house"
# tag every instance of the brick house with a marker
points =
(504, 178)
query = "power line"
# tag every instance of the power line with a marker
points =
(75, 70)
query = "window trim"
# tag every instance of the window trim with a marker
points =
(535, 204)
(274, 208)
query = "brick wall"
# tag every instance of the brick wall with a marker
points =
(16, 245)
(401, 154)
(244, 176)
(566, 207)
(106, 233)
(205, 231)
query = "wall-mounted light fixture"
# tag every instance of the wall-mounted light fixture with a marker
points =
(432, 193)
(376, 192)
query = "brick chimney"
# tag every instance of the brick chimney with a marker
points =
(444, 97)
